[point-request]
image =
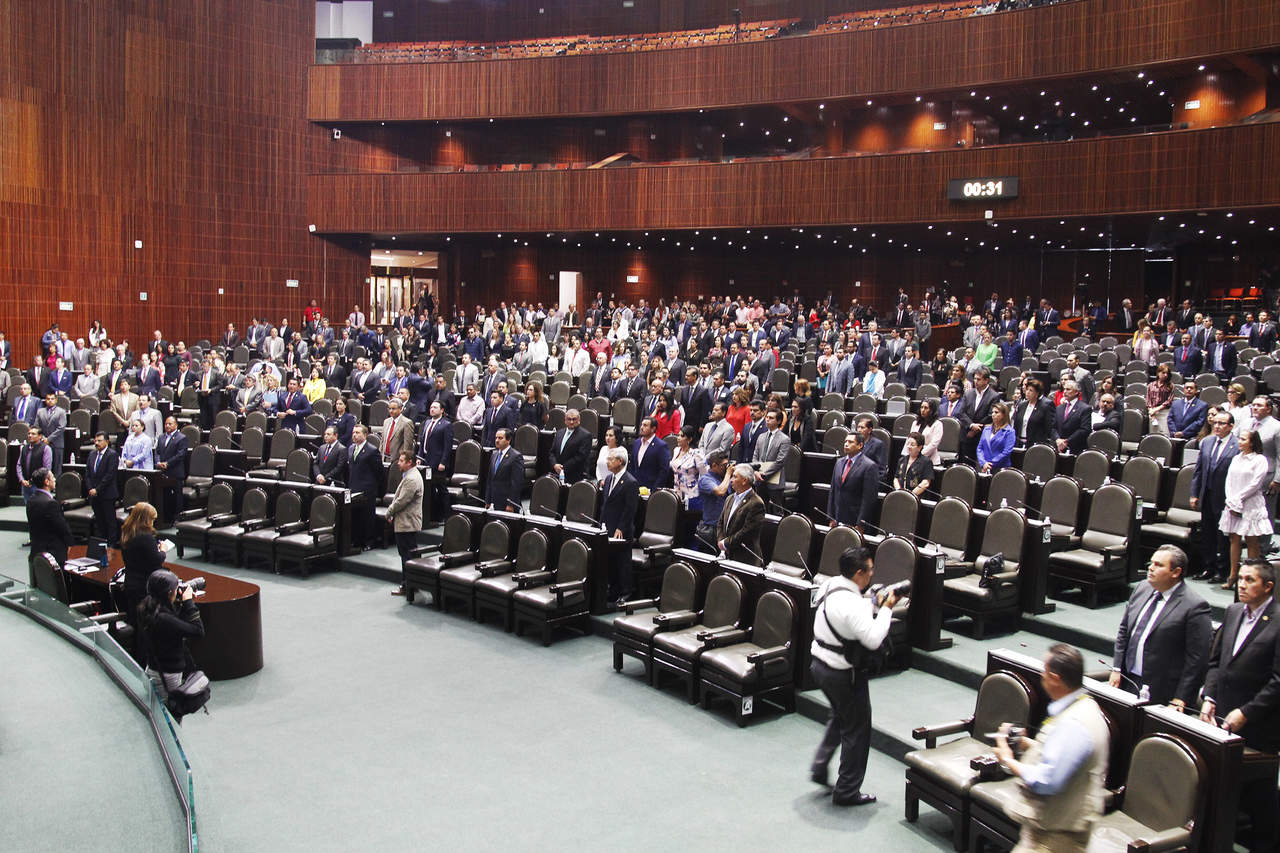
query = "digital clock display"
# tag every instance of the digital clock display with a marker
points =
(982, 189)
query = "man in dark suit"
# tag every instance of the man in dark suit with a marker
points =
(571, 449)
(364, 467)
(651, 457)
(873, 448)
(506, 475)
(100, 478)
(437, 392)
(436, 452)
(1033, 420)
(171, 458)
(619, 498)
(1164, 635)
(751, 432)
(1187, 416)
(738, 533)
(45, 522)
(497, 416)
(1029, 339)
(1242, 688)
(854, 481)
(294, 407)
(1107, 416)
(25, 406)
(1220, 356)
(632, 385)
(209, 393)
(1073, 421)
(1264, 334)
(149, 377)
(330, 465)
(978, 401)
(911, 368)
(1187, 358)
(1209, 493)
(952, 405)
(1126, 319)
(334, 374)
(695, 399)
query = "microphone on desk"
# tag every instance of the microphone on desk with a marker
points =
(753, 553)
(917, 539)
(1035, 513)
(804, 564)
(830, 521)
(467, 497)
(1143, 691)
(591, 519)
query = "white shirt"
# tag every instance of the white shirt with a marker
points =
(852, 616)
(1146, 631)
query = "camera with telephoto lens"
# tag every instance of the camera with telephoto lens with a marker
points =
(195, 585)
(880, 592)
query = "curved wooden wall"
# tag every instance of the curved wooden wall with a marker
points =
(1060, 40)
(1178, 170)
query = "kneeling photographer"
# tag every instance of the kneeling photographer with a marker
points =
(848, 629)
(167, 616)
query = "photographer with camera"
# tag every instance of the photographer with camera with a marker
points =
(847, 630)
(167, 616)
(1062, 771)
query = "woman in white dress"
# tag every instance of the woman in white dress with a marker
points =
(1246, 507)
(612, 439)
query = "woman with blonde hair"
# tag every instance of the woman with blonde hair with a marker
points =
(142, 553)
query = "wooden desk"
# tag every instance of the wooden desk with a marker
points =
(229, 608)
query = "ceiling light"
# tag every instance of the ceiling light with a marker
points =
(1141, 74)
(1201, 68)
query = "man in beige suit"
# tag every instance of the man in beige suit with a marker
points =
(405, 512)
(397, 433)
(124, 404)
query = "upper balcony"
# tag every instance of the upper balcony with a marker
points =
(1039, 43)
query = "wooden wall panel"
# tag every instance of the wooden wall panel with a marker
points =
(1178, 170)
(1059, 40)
(178, 124)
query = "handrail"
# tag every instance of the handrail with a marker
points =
(94, 639)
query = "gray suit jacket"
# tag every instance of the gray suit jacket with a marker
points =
(771, 452)
(716, 436)
(1175, 657)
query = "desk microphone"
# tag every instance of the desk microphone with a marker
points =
(589, 518)
(467, 497)
(917, 539)
(808, 575)
(1035, 513)
(753, 553)
(1143, 691)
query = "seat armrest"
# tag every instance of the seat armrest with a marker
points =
(1004, 579)
(255, 524)
(1168, 839)
(722, 637)
(650, 550)
(321, 531)
(108, 618)
(495, 568)
(771, 658)
(457, 558)
(675, 621)
(631, 607)
(223, 519)
(292, 528)
(1112, 799)
(930, 734)
(82, 607)
(423, 550)
(561, 588)
(526, 580)
(190, 514)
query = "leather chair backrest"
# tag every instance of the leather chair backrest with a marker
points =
(1002, 698)
(838, 540)
(189, 399)
(526, 442)
(577, 401)
(1107, 361)
(226, 418)
(355, 407)
(1213, 395)
(1131, 424)
(461, 431)
(544, 500)
(221, 500)
(774, 622)
(253, 506)
(81, 419)
(590, 422)
(1109, 516)
(379, 411)
(1163, 783)
(833, 439)
(679, 588)
(1091, 469)
(793, 466)
(1008, 484)
(573, 561)
(791, 545)
(663, 513)
(724, 601)
(107, 423)
(257, 420)
(902, 425)
(928, 391)
(495, 541)
(950, 441)
(468, 458)
(136, 489)
(1105, 441)
(600, 405)
(314, 422)
(1182, 487)
(251, 443)
(297, 467)
(581, 501)
(93, 404)
(833, 401)
(899, 513)
(625, 411)
(69, 486)
(1004, 535)
(1142, 474)
(950, 524)
(192, 432)
(288, 508)
(394, 476)
(1040, 461)
(864, 404)
(832, 418)
(46, 576)
(532, 553)
(457, 534)
(323, 512)
(1158, 447)
(323, 407)
(1060, 502)
(559, 392)
(220, 437)
(895, 560)
(555, 418)
(959, 481)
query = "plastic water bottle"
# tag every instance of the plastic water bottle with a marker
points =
(1004, 503)
(561, 475)
(1144, 694)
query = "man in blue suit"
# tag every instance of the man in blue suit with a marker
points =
(1010, 349)
(1209, 493)
(294, 406)
(651, 457)
(1028, 338)
(364, 466)
(1187, 416)
(436, 452)
(150, 378)
(171, 458)
(1187, 357)
(100, 478)
(60, 379)
(619, 498)
(853, 497)
(751, 432)
(496, 417)
(1220, 356)
(506, 475)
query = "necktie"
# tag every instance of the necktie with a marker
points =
(1217, 452)
(564, 440)
(608, 486)
(97, 457)
(497, 460)
(848, 463)
(1131, 661)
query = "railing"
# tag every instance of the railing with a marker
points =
(93, 638)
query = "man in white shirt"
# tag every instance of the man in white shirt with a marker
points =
(847, 620)
(471, 407)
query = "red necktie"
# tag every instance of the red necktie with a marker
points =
(848, 463)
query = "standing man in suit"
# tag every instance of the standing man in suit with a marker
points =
(405, 511)
(1187, 358)
(1264, 334)
(335, 375)
(294, 407)
(695, 399)
(171, 460)
(506, 475)
(854, 481)
(1164, 636)
(52, 423)
(100, 478)
(397, 432)
(619, 499)
(978, 401)
(738, 533)
(770, 459)
(209, 393)
(873, 448)
(1073, 421)
(25, 406)
(1187, 416)
(149, 378)
(248, 398)
(751, 432)
(330, 465)
(571, 449)
(718, 433)
(911, 368)
(1209, 494)
(364, 466)
(496, 417)
(1010, 350)
(436, 453)
(33, 456)
(651, 455)
(1221, 356)
(1243, 687)
(124, 404)
(46, 524)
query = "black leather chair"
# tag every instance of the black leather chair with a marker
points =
(69, 491)
(899, 513)
(259, 539)
(200, 471)
(50, 578)
(1008, 488)
(678, 645)
(1158, 807)
(283, 442)
(580, 503)
(136, 490)
(654, 544)
(940, 775)
(498, 581)
(967, 592)
(791, 547)
(544, 498)
(1178, 524)
(193, 525)
(633, 631)
(468, 459)
(318, 540)
(1060, 506)
(224, 538)
(748, 666)
(837, 541)
(949, 528)
(959, 481)
(557, 598)
(458, 583)
(1102, 558)
(423, 571)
